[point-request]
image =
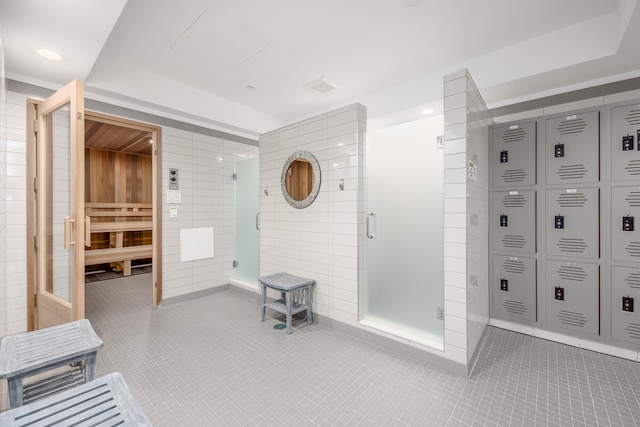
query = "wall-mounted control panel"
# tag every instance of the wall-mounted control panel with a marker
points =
(174, 179)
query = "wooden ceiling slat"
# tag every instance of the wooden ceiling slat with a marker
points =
(111, 137)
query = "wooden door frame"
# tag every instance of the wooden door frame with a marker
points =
(156, 162)
(156, 190)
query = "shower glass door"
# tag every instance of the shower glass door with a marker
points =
(247, 221)
(403, 286)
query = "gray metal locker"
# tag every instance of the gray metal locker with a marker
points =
(572, 148)
(625, 300)
(514, 221)
(513, 155)
(572, 226)
(625, 143)
(572, 296)
(625, 223)
(514, 288)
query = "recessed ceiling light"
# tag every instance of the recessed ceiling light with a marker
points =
(426, 111)
(49, 54)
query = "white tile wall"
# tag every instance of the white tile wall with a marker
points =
(13, 299)
(206, 168)
(320, 241)
(466, 217)
(3, 184)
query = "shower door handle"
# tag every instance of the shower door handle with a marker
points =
(258, 221)
(369, 234)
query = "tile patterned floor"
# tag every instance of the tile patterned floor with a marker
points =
(211, 361)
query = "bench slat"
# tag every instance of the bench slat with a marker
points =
(101, 256)
(117, 226)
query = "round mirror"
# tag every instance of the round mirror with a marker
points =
(300, 179)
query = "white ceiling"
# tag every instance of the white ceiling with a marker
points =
(193, 59)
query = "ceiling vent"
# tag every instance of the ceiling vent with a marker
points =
(320, 86)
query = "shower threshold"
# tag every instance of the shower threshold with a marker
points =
(427, 339)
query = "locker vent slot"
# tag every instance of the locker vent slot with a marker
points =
(572, 318)
(513, 266)
(514, 307)
(633, 198)
(633, 329)
(633, 118)
(512, 241)
(572, 171)
(572, 200)
(577, 274)
(633, 249)
(572, 126)
(514, 201)
(566, 244)
(633, 280)
(514, 175)
(633, 167)
(514, 135)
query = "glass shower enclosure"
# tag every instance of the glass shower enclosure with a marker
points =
(404, 249)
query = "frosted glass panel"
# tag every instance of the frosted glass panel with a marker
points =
(247, 206)
(404, 260)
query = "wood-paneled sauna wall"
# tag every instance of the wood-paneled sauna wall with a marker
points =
(116, 177)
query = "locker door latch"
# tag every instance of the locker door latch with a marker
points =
(504, 285)
(559, 293)
(627, 304)
(627, 223)
(503, 221)
(504, 156)
(558, 222)
(558, 150)
(627, 143)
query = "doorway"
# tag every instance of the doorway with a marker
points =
(136, 147)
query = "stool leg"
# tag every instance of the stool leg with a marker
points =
(90, 367)
(309, 312)
(263, 292)
(15, 392)
(288, 297)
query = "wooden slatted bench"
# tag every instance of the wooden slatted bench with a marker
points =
(30, 353)
(106, 401)
(120, 218)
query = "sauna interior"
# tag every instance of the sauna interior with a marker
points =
(118, 197)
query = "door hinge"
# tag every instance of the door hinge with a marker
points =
(35, 125)
(35, 300)
(235, 264)
(79, 115)
(35, 184)
(235, 176)
(35, 243)
(155, 285)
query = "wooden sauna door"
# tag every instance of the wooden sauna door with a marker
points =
(59, 191)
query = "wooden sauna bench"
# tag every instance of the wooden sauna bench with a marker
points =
(116, 219)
